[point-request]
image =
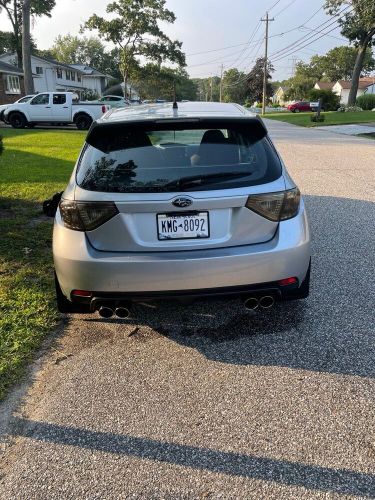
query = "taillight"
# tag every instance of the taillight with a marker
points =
(275, 206)
(104, 108)
(86, 216)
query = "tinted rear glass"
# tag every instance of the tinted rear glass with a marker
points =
(187, 157)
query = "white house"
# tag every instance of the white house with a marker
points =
(50, 75)
(342, 88)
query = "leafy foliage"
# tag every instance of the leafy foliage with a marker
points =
(207, 87)
(357, 23)
(13, 9)
(157, 82)
(134, 28)
(234, 86)
(330, 100)
(366, 101)
(89, 51)
(255, 80)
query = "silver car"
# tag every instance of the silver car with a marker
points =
(179, 202)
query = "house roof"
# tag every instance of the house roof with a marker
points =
(325, 85)
(9, 68)
(363, 83)
(87, 70)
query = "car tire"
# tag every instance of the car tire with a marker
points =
(2, 116)
(64, 305)
(17, 120)
(83, 121)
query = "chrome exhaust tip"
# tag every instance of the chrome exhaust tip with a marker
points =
(122, 312)
(251, 303)
(266, 301)
(105, 312)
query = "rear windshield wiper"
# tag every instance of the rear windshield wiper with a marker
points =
(197, 180)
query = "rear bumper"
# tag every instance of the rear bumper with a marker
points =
(79, 266)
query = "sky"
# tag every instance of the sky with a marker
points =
(216, 32)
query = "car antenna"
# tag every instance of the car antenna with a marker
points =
(175, 105)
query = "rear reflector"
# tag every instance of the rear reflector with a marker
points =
(81, 293)
(288, 281)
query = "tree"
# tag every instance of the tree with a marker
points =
(234, 86)
(339, 62)
(207, 87)
(89, 51)
(255, 80)
(157, 82)
(358, 26)
(26, 47)
(330, 100)
(135, 31)
(13, 8)
(8, 42)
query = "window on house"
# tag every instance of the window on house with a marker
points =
(13, 84)
(67, 75)
(79, 77)
(73, 75)
(39, 70)
(59, 72)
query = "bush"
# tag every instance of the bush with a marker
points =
(351, 109)
(1, 145)
(317, 119)
(366, 101)
(330, 101)
(89, 95)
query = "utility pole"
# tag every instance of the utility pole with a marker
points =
(267, 20)
(221, 83)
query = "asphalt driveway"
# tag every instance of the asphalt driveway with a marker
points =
(211, 401)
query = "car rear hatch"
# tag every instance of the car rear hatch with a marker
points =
(178, 185)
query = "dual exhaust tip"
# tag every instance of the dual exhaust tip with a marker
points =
(251, 304)
(264, 302)
(108, 312)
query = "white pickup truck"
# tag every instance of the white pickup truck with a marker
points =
(54, 108)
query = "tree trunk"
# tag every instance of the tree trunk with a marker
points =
(26, 49)
(358, 66)
(125, 84)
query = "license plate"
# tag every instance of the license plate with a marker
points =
(181, 226)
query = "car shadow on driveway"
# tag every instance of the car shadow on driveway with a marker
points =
(332, 331)
(341, 481)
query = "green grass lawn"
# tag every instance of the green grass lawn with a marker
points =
(35, 164)
(331, 118)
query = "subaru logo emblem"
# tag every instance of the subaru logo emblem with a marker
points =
(182, 202)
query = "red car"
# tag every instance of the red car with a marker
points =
(296, 107)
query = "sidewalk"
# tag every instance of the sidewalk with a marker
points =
(354, 129)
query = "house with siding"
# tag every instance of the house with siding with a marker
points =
(342, 88)
(50, 76)
(11, 83)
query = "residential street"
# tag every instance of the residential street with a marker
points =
(209, 400)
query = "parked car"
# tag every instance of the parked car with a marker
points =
(296, 107)
(54, 108)
(114, 101)
(3, 107)
(179, 203)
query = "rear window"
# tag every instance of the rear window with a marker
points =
(184, 157)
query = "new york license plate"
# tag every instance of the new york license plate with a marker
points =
(181, 226)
